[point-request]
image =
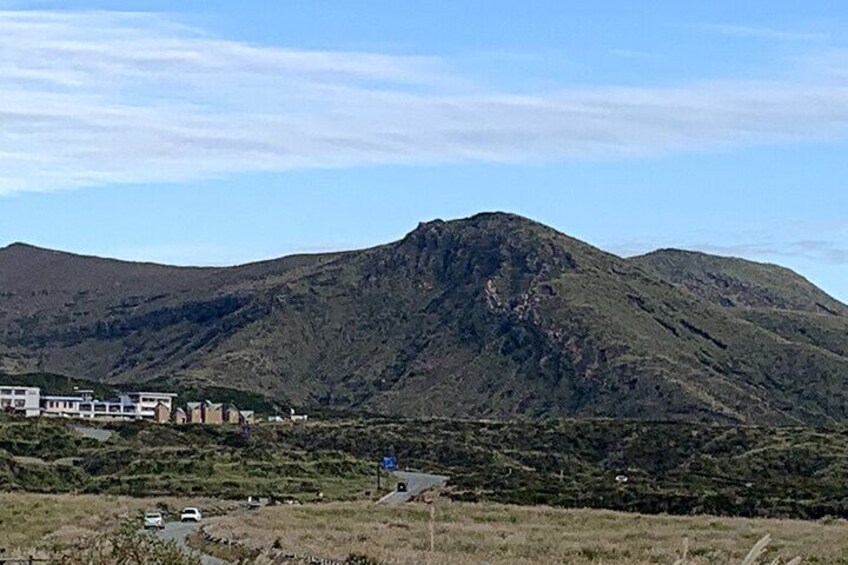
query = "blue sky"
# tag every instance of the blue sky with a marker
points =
(216, 132)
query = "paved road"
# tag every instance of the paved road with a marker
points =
(416, 483)
(94, 433)
(177, 531)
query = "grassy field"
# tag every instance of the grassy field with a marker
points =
(470, 533)
(36, 521)
(463, 533)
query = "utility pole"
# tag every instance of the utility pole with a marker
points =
(432, 527)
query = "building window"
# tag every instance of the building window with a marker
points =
(20, 392)
(20, 403)
(5, 391)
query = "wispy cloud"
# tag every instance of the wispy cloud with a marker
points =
(630, 54)
(102, 97)
(759, 32)
(821, 251)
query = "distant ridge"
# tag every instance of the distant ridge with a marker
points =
(491, 316)
(730, 282)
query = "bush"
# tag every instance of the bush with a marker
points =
(126, 546)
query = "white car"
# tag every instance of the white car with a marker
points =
(154, 520)
(190, 515)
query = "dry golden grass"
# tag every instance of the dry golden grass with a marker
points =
(32, 521)
(496, 534)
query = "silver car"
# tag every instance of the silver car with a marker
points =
(154, 521)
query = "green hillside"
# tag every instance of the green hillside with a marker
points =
(677, 468)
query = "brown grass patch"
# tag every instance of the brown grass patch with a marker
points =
(499, 535)
(32, 521)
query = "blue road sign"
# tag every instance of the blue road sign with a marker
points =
(389, 463)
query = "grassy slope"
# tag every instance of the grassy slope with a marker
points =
(672, 467)
(731, 282)
(50, 383)
(771, 297)
(147, 460)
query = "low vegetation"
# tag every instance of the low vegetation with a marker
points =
(629, 466)
(124, 546)
(144, 459)
(102, 530)
(642, 467)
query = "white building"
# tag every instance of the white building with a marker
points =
(24, 400)
(133, 405)
(146, 402)
(64, 406)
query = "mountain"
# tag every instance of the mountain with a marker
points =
(493, 316)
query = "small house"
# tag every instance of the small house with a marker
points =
(162, 413)
(194, 413)
(179, 416)
(232, 415)
(213, 413)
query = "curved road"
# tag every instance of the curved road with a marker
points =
(416, 483)
(177, 531)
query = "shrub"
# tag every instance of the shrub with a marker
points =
(126, 546)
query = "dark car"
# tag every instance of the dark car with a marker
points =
(401, 487)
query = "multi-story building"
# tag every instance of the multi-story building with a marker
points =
(24, 400)
(65, 406)
(148, 402)
(133, 405)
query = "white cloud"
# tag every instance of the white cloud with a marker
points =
(760, 32)
(102, 97)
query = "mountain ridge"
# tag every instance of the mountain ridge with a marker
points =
(489, 316)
